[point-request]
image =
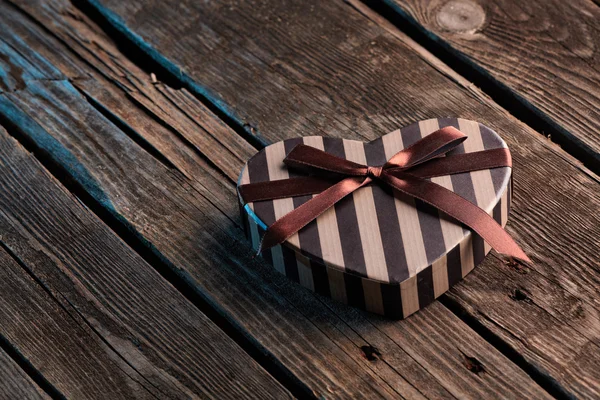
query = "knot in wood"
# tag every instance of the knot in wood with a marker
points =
(464, 16)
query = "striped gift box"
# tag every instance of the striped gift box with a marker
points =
(377, 249)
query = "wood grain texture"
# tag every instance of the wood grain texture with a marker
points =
(14, 382)
(51, 336)
(115, 293)
(545, 51)
(286, 69)
(329, 349)
(173, 349)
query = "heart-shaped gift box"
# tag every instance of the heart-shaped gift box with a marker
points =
(377, 248)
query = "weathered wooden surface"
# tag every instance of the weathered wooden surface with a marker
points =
(138, 337)
(127, 312)
(162, 165)
(289, 312)
(284, 69)
(192, 222)
(14, 382)
(49, 334)
(545, 51)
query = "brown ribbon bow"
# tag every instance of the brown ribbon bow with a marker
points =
(406, 172)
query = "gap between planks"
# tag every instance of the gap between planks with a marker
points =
(26, 367)
(144, 56)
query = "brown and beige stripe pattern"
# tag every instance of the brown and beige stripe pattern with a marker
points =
(377, 249)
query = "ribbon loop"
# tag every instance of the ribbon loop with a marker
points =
(406, 172)
(431, 146)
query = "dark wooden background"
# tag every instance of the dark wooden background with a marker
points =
(124, 125)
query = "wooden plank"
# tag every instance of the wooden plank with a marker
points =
(173, 349)
(330, 350)
(543, 51)
(49, 335)
(170, 348)
(14, 382)
(285, 69)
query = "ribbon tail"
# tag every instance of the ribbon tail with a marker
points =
(460, 209)
(298, 218)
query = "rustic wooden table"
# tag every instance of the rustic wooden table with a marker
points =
(124, 124)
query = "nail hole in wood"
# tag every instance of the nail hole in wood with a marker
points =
(473, 365)
(370, 353)
(519, 295)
